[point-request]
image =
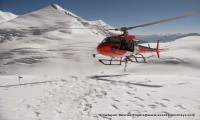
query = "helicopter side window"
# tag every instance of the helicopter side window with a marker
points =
(127, 44)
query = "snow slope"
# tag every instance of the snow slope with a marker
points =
(61, 81)
(6, 16)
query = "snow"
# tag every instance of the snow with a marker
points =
(61, 81)
(6, 16)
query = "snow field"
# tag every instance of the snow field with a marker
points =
(61, 80)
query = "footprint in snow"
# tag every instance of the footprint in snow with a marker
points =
(180, 106)
(140, 105)
(27, 106)
(139, 98)
(74, 77)
(104, 93)
(114, 106)
(167, 113)
(134, 111)
(131, 86)
(161, 104)
(107, 118)
(113, 82)
(148, 94)
(182, 83)
(86, 110)
(59, 111)
(115, 99)
(37, 113)
(132, 101)
(164, 99)
(153, 106)
(129, 93)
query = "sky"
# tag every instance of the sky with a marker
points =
(122, 13)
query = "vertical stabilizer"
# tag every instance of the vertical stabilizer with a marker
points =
(157, 49)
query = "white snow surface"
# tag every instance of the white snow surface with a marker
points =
(61, 81)
(6, 16)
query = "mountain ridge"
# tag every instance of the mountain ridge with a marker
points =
(6, 16)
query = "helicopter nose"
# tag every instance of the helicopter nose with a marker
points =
(107, 49)
(103, 49)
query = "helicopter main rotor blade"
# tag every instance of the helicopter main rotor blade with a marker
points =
(160, 21)
(78, 28)
(113, 29)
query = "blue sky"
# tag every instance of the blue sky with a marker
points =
(120, 13)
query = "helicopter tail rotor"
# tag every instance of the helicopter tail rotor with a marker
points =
(157, 49)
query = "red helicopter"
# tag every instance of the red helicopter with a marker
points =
(127, 46)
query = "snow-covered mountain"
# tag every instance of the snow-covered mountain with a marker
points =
(47, 19)
(6, 16)
(47, 73)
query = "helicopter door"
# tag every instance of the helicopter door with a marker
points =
(127, 45)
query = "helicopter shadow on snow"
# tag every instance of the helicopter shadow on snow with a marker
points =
(24, 84)
(106, 78)
(26, 60)
(31, 83)
(8, 57)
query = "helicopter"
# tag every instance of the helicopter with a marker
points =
(127, 46)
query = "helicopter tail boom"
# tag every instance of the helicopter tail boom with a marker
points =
(144, 49)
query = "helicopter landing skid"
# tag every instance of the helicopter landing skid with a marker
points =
(110, 62)
(127, 58)
(137, 57)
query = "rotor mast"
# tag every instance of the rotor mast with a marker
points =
(124, 30)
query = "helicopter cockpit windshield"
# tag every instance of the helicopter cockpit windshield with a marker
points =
(111, 40)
